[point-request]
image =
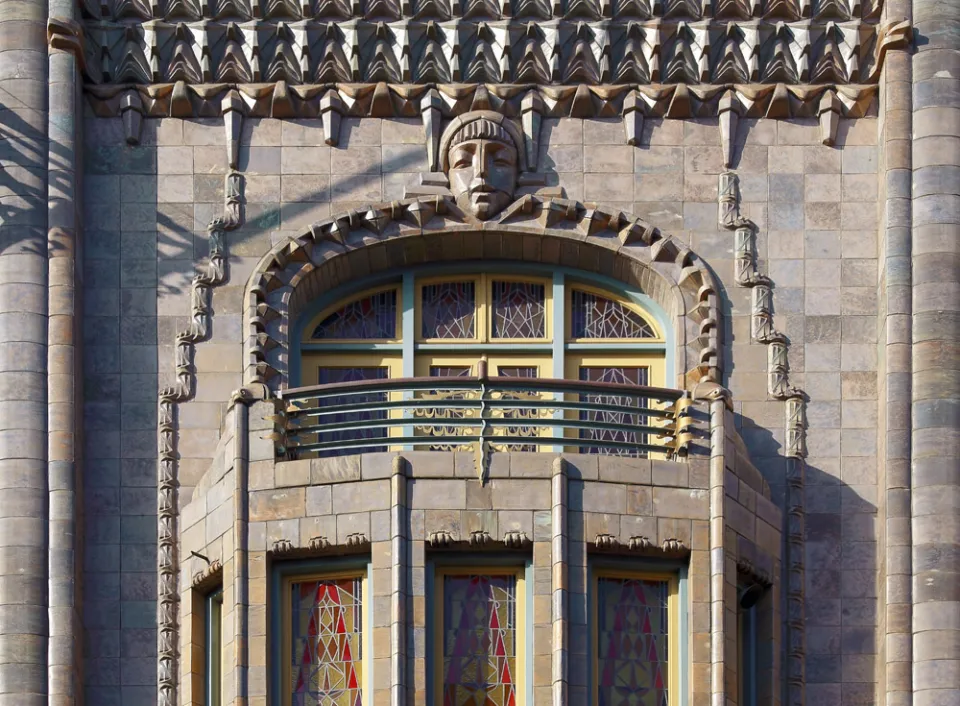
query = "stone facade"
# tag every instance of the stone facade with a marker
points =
(162, 232)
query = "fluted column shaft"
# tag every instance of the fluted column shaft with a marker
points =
(935, 259)
(23, 353)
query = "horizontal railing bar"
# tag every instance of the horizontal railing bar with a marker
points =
(341, 445)
(492, 423)
(470, 383)
(426, 403)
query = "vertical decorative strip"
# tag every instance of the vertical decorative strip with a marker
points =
(168, 597)
(718, 438)
(398, 578)
(778, 387)
(559, 580)
(63, 359)
(241, 584)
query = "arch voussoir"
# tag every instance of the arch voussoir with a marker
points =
(411, 232)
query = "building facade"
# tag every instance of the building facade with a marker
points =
(495, 352)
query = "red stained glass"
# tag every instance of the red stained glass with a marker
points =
(327, 642)
(479, 640)
(632, 617)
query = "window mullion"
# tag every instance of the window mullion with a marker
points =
(559, 338)
(408, 337)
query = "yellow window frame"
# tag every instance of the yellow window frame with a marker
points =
(339, 304)
(597, 291)
(286, 622)
(483, 316)
(441, 572)
(393, 362)
(673, 625)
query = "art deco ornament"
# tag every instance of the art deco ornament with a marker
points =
(481, 153)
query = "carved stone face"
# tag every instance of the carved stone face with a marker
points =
(483, 176)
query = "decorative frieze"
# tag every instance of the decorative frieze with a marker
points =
(512, 52)
(168, 565)
(762, 330)
(443, 10)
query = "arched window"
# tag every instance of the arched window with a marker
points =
(427, 324)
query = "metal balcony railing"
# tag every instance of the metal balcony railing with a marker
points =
(484, 414)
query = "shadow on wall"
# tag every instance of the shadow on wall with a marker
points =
(126, 222)
(841, 549)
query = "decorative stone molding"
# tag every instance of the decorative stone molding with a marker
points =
(208, 575)
(299, 49)
(747, 567)
(534, 228)
(168, 566)
(330, 103)
(483, 10)
(778, 387)
(609, 543)
(65, 34)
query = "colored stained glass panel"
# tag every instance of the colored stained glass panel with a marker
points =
(632, 622)
(371, 317)
(327, 375)
(519, 310)
(479, 640)
(448, 310)
(593, 316)
(327, 643)
(623, 376)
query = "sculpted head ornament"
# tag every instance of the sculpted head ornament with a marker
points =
(482, 156)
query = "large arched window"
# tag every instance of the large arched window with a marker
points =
(442, 324)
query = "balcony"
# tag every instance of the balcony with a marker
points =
(485, 414)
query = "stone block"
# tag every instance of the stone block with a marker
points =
(339, 469)
(364, 496)
(277, 504)
(604, 498)
(437, 494)
(526, 494)
(681, 503)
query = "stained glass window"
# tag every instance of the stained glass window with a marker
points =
(622, 376)
(370, 317)
(448, 310)
(632, 627)
(326, 375)
(519, 310)
(480, 640)
(594, 316)
(327, 642)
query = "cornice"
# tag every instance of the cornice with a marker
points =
(507, 52)
(481, 10)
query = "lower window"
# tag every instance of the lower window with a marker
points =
(323, 655)
(635, 639)
(480, 637)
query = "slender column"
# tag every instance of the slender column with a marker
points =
(23, 353)
(241, 579)
(895, 298)
(561, 631)
(63, 168)
(935, 258)
(718, 439)
(398, 578)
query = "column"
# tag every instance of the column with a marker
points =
(935, 408)
(23, 353)
(63, 167)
